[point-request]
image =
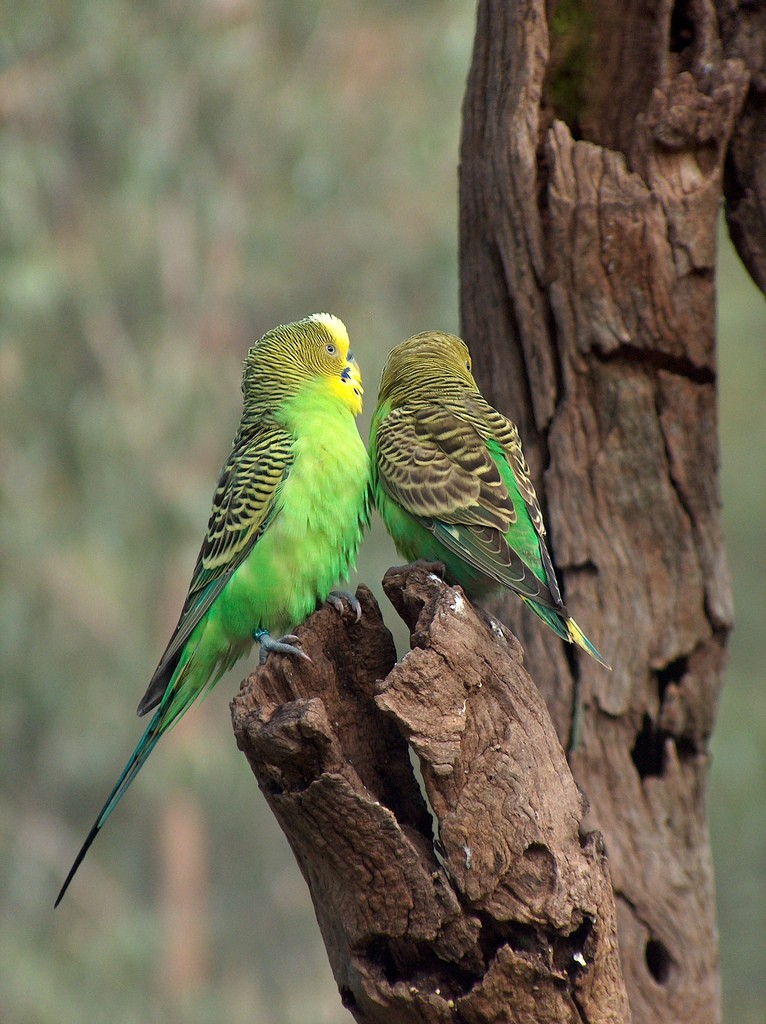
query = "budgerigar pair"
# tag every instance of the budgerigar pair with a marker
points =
(445, 470)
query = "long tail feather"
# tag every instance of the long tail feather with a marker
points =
(581, 640)
(566, 628)
(137, 760)
(197, 671)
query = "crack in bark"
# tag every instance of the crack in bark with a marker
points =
(654, 359)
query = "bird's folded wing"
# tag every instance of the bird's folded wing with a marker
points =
(437, 465)
(487, 550)
(245, 501)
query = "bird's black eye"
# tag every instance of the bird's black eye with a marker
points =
(330, 349)
(468, 366)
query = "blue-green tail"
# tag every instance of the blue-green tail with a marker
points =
(198, 670)
(156, 727)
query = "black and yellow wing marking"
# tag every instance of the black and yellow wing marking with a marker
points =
(459, 469)
(245, 501)
(436, 466)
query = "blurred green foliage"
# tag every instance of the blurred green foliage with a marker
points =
(176, 178)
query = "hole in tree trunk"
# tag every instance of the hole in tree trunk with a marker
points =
(347, 997)
(648, 752)
(681, 27)
(657, 960)
(672, 673)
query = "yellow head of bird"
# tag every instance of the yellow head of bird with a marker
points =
(315, 348)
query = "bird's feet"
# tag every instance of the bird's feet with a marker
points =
(337, 597)
(285, 645)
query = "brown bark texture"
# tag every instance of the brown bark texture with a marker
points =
(595, 138)
(476, 898)
(743, 35)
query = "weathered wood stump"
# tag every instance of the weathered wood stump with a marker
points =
(488, 902)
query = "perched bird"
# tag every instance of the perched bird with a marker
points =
(287, 519)
(451, 483)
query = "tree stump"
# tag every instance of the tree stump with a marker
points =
(476, 898)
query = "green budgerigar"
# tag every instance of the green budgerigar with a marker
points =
(287, 520)
(451, 483)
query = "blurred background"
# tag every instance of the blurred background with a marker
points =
(175, 179)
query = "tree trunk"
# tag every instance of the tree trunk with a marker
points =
(595, 138)
(592, 162)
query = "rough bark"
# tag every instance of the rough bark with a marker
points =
(493, 905)
(592, 165)
(743, 34)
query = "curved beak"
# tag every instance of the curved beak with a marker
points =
(353, 375)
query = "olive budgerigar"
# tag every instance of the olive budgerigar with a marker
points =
(451, 483)
(287, 520)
